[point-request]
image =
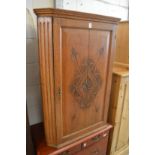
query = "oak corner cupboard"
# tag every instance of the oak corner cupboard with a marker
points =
(76, 54)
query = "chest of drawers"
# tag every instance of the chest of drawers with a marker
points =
(94, 144)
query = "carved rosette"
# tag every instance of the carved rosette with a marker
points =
(86, 83)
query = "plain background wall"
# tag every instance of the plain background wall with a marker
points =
(117, 8)
(33, 93)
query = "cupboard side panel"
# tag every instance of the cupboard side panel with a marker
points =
(122, 46)
(118, 114)
(123, 135)
(112, 113)
(47, 77)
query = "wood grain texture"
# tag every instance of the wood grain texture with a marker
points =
(76, 57)
(123, 151)
(75, 14)
(74, 122)
(98, 148)
(119, 112)
(46, 74)
(122, 43)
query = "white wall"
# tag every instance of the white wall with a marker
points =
(115, 8)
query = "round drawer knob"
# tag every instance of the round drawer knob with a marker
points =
(105, 134)
(84, 144)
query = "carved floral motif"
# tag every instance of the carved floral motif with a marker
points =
(86, 83)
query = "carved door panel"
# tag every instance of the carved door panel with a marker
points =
(81, 54)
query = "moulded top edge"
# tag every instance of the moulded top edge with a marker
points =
(73, 14)
(121, 70)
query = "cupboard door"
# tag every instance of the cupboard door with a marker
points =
(82, 68)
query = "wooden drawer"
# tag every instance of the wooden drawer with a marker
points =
(72, 151)
(94, 140)
(95, 143)
(97, 148)
(94, 146)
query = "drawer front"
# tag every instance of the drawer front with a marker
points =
(95, 139)
(72, 151)
(94, 146)
(98, 148)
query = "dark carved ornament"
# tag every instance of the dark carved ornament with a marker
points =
(86, 83)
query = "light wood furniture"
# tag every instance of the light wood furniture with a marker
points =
(122, 43)
(76, 55)
(119, 112)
